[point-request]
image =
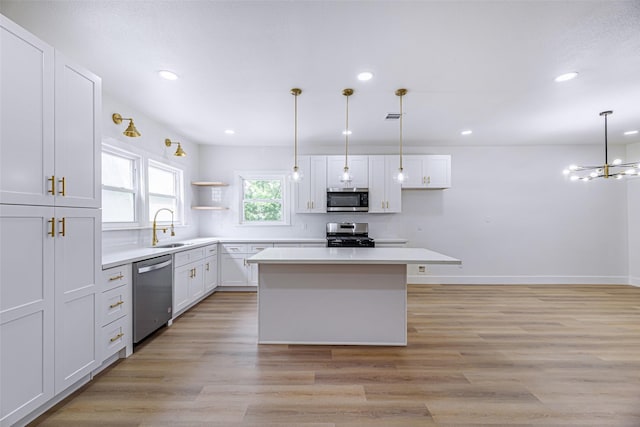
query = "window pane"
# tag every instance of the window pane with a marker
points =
(162, 181)
(117, 206)
(158, 202)
(117, 171)
(262, 211)
(262, 189)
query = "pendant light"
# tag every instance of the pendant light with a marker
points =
(296, 174)
(616, 169)
(346, 177)
(400, 176)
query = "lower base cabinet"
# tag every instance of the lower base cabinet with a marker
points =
(116, 316)
(195, 276)
(234, 269)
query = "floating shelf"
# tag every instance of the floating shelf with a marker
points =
(207, 205)
(209, 208)
(210, 184)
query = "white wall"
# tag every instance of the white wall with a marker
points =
(633, 215)
(151, 143)
(510, 215)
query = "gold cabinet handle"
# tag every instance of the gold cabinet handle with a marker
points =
(63, 192)
(424, 179)
(207, 266)
(313, 205)
(63, 227)
(428, 180)
(116, 304)
(194, 272)
(52, 190)
(117, 337)
(118, 277)
(387, 205)
(52, 232)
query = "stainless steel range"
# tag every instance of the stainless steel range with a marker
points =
(349, 235)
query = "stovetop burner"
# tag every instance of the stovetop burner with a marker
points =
(349, 235)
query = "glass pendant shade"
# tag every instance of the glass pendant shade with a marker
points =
(345, 176)
(296, 174)
(400, 176)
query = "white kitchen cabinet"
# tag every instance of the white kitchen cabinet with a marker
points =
(385, 194)
(358, 167)
(26, 310)
(191, 283)
(27, 118)
(431, 171)
(51, 227)
(234, 269)
(77, 263)
(210, 268)
(50, 153)
(311, 192)
(115, 311)
(78, 102)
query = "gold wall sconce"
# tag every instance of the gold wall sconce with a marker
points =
(179, 152)
(131, 130)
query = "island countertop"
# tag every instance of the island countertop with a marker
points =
(351, 256)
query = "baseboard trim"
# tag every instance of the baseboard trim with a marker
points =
(523, 280)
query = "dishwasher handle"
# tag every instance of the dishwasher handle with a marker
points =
(153, 267)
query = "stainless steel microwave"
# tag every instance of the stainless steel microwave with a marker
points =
(347, 200)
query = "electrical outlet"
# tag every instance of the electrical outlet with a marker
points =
(422, 269)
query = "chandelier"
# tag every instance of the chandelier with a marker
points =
(616, 169)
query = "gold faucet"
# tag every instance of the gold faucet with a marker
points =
(155, 240)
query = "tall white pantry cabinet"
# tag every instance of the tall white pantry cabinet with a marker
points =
(50, 222)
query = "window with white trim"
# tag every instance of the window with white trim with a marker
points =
(164, 190)
(263, 199)
(120, 187)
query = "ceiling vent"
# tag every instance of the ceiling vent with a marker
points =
(392, 116)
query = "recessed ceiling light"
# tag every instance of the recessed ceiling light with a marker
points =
(346, 132)
(230, 132)
(466, 132)
(365, 75)
(631, 132)
(566, 77)
(168, 75)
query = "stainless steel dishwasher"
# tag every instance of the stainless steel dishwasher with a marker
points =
(152, 295)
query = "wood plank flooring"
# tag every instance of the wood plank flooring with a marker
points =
(477, 356)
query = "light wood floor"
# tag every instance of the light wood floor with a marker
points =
(477, 355)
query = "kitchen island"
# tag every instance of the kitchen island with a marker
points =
(345, 296)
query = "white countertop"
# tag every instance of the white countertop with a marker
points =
(350, 256)
(137, 254)
(113, 259)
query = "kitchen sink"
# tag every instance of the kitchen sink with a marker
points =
(170, 245)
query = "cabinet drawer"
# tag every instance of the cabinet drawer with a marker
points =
(234, 248)
(115, 303)
(113, 337)
(210, 250)
(185, 257)
(254, 248)
(116, 276)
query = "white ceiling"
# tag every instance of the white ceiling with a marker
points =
(485, 66)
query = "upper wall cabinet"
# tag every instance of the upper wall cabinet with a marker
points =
(311, 192)
(358, 166)
(384, 193)
(49, 125)
(429, 171)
